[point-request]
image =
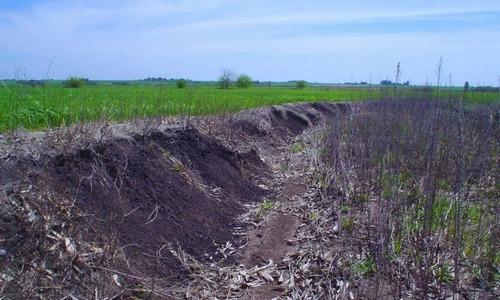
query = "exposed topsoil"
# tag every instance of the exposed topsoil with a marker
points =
(104, 217)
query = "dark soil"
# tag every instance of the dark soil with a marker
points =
(215, 164)
(136, 190)
(269, 241)
(133, 196)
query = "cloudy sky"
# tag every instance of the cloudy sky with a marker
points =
(316, 40)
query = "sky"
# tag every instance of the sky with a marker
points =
(277, 40)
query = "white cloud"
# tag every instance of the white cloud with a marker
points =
(327, 17)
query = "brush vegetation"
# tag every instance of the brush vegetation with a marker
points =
(427, 172)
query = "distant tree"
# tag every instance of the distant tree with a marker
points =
(226, 79)
(120, 83)
(181, 83)
(466, 86)
(386, 82)
(484, 89)
(75, 82)
(32, 82)
(244, 81)
(301, 84)
(398, 73)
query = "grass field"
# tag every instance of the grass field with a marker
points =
(35, 108)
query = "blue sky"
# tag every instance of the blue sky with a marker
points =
(325, 41)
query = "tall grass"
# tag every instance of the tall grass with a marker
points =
(49, 106)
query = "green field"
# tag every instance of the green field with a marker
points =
(35, 108)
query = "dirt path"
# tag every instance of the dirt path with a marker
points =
(288, 247)
(276, 235)
(279, 251)
(268, 239)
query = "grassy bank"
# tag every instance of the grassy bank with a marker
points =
(50, 106)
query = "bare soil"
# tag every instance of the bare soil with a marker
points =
(269, 240)
(103, 219)
(152, 200)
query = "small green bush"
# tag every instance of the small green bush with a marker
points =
(244, 81)
(181, 83)
(74, 82)
(301, 84)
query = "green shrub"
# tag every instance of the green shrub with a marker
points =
(75, 82)
(181, 83)
(244, 81)
(301, 84)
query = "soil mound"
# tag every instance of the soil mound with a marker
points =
(103, 217)
(289, 119)
(138, 196)
(146, 192)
